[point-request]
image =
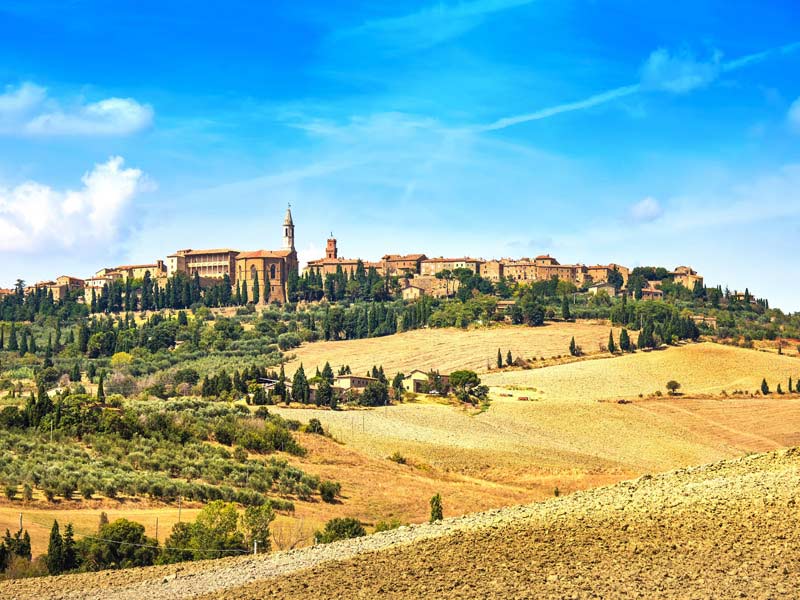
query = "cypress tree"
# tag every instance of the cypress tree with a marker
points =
(499, 359)
(612, 347)
(75, 373)
(256, 289)
(764, 387)
(565, 312)
(573, 347)
(13, 343)
(437, 512)
(2, 337)
(101, 395)
(509, 359)
(69, 553)
(55, 551)
(300, 391)
(23, 344)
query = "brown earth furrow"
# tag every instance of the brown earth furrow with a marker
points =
(722, 530)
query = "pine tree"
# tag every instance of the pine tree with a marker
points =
(437, 512)
(612, 347)
(327, 373)
(499, 359)
(509, 359)
(55, 551)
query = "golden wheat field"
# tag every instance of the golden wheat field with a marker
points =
(705, 368)
(451, 349)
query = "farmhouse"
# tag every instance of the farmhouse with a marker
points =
(419, 382)
(352, 382)
(686, 276)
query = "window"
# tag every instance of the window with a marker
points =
(272, 272)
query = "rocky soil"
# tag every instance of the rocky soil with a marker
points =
(728, 529)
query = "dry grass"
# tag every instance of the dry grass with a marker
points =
(451, 349)
(699, 368)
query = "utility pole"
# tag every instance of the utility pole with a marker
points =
(20, 521)
(255, 547)
(156, 529)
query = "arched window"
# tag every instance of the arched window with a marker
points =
(272, 272)
(253, 273)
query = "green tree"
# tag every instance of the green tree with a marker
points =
(300, 389)
(55, 551)
(624, 341)
(612, 347)
(101, 394)
(119, 545)
(437, 511)
(764, 387)
(339, 529)
(75, 372)
(673, 386)
(509, 359)
(256, 289)
(565, 312)
(467, 386)
(574, 349)
(255, 522)
(69, 553)
(499, 359)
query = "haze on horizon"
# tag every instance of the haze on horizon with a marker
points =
(663, 134)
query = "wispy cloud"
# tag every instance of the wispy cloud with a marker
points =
(794, 115)
(430, 26)
(27, 110)
(662, 71)
(646, 210)
(34, 216)
(678, 72)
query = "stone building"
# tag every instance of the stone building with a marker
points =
(333, 262)
(397, 264)
(269, 269)
(213, 263)
(157, 270)
(686, 276)
(432, 266)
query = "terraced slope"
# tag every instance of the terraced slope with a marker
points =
(723, 530)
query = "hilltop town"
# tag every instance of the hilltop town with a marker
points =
(270, 276)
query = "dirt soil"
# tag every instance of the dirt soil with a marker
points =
(723, 530)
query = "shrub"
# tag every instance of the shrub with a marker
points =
(339, 529)
(314, 426)
(388, 525)
(329, 490)
(398, 458)
(673, 386)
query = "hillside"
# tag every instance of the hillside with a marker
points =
(700, 368)
(451, 349)
(717, 530)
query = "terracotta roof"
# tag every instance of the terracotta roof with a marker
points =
(403, 257)
(462, 259)
(128, 267)
(264, 254)
(190, 252)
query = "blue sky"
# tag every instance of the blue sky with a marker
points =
(642, 133)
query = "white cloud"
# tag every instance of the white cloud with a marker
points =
(646, 210)
(35, 217)
(794, 115)
(27, 110)
(680, 72)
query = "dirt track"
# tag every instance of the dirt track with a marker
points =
(723, 530)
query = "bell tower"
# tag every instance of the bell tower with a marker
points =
(288, 230)
(331, 251)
